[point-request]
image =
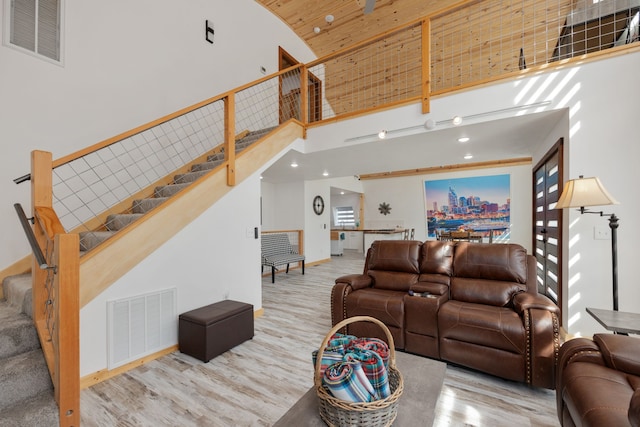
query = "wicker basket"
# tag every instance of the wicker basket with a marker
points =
(339, 413)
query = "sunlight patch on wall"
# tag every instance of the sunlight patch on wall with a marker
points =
(574, 129)
(525, 90)
(574, 279)
(574, 319)
(574, 299)
(565, 81)
(574, 240)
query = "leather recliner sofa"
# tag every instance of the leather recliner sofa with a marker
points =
(478, 306)
(598, 382)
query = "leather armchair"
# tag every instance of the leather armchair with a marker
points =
(598, 382)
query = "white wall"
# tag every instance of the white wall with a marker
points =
(317, 230)
(125, 64)
(214, 258)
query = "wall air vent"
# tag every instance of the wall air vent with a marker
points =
(141, 325)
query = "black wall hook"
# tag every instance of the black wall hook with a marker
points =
(208, 30)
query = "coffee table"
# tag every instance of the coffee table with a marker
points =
(423, 378)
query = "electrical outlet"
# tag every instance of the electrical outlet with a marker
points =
(601, 233)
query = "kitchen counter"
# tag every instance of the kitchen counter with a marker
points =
(371, 235)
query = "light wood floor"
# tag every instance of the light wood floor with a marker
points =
(255, 383)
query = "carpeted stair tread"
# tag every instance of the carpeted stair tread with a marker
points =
(17, 332)
(145, 205)
(207, 165)
(117, 222)
(170, 190)
(91, 239)
(38, 411)
(215, 157)
(23, 376)
(188, 177)
(17, 292)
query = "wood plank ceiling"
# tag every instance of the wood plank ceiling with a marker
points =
(350, 25)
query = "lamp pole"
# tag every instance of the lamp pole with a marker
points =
(613, 224)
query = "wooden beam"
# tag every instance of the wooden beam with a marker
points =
(229, 137)
(448, 168)
(426, 66)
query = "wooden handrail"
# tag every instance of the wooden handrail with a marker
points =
(110, 141)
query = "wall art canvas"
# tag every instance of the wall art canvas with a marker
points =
(480, 204)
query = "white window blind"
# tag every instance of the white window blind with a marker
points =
(34, 25)
(344, 216)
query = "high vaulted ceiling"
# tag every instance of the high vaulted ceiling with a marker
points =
(493, 141)
(350, 24)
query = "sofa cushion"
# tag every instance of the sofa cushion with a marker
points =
(436, 257)
(490, 292)
(393, 280)
(394, 255)
(506, 262)
(487, 326)
(617, 353)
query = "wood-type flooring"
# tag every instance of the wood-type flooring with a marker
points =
(255, 383)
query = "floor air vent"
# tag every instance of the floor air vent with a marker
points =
(140, 326)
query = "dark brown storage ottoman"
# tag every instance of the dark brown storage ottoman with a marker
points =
(209, 331)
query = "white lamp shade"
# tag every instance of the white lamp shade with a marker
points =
(584, 192)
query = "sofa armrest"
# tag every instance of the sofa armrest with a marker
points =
(527, 301)
(634, 409)
(574, 350)
(620, 352)
(356, 281)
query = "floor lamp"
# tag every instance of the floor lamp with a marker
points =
(581, 192)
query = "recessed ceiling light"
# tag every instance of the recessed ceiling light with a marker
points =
(325, 173)
(382, 134)
(468, 156)
(329, 18)
(294, 164)
(316, 30)
(342, 192)
(456, 120)
(464, 139)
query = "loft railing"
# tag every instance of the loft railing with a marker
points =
(474, 43)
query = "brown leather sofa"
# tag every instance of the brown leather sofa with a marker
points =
(482, 309)
(598, 381)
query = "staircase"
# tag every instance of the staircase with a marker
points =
(26, 391)
(116, 222)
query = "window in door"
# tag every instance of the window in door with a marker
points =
(547, 227)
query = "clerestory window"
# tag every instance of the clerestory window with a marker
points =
(35, 26)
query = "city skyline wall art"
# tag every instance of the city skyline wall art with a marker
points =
(478, 203)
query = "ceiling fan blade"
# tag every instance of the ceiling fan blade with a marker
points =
(368, 7)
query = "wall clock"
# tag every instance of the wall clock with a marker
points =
(318, 205)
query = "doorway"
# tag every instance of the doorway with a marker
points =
(547, 223)
(290, 92)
